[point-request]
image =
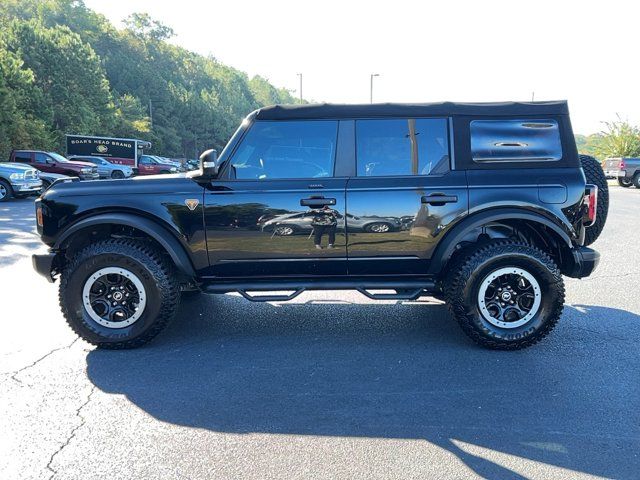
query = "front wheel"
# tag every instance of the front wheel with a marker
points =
(116, 174)
(505, 294)
(118, 293)
(6, 191)
(636, 180)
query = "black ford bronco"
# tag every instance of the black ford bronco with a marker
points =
(485, 206)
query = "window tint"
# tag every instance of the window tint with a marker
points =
(515, 141)
(402, 147)
(293, 149)
(22, 157)
(145, 160)
(41, 158)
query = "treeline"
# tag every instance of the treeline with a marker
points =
(66, 69)
(619, 139)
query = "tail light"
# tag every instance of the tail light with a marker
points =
(621, 164)
(591, 204)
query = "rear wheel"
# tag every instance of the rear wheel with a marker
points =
(505, 294)
(284, 230)
(118, 293)
(624, 182)
(6, 192)
(378, 227)
(593, 171)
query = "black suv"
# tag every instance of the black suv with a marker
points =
(484, 205)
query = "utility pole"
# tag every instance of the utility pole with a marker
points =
(300, 75)
(371, 87)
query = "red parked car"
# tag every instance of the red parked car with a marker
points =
(149, 165)
(55, 163)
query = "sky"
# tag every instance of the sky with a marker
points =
(424, 51)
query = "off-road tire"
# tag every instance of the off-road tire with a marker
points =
(7, 188)
(593, 171)
(152, 268)
(636, 180)
(470, 269)
(624, 182)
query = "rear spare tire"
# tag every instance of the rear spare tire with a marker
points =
(593, 171)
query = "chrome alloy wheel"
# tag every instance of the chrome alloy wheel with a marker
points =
(114, 297)
(379, 228)
(509, 297)
(3, 191)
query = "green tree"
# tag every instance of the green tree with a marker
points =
(620, 139)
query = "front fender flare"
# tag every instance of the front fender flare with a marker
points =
(160, 234)
(453, 237)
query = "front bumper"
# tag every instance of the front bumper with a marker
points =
(585, 261)
(89, 176)
(27, 187)
(43, 264)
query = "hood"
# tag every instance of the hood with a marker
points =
(79, 164)
(148, 184)
(15, 167)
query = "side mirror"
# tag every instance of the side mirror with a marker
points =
(209, 163)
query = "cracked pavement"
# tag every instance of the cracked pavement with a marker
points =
(331, 385)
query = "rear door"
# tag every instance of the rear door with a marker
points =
(275, 208)
(404, 195)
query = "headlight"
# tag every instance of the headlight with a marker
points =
(85, 170)
(173, 169)
(16, 176)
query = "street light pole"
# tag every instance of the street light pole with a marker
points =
(300, 75)
(371, 87)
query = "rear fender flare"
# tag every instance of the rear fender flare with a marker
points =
(447, 245)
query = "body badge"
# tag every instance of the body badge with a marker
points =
(192, 203)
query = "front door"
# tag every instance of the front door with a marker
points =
(403, 197)
(277, 208)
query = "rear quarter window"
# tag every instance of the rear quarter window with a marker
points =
(515, 140)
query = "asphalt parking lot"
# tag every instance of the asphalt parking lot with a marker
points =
(331, 385)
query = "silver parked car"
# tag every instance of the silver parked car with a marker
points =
(18, 180)
(106, 169)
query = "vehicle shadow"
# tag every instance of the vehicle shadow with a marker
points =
(399, 371)
(18, 236)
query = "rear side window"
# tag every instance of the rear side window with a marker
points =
(515, 141)
(291, 149)
(413, 146)
(22, 157)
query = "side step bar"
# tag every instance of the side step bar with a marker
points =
(404, 289)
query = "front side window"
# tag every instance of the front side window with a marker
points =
(515, 141)
(41, 158)
(291, 149)
(414, 146)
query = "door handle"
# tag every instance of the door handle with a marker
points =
(317, 202)
(438, 199)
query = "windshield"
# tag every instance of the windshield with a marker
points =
(57, 157)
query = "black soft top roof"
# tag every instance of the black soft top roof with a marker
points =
(328, 110)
